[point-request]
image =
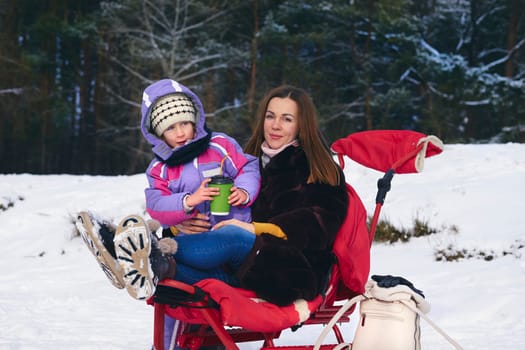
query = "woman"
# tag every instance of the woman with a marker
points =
(301, 204)
(285, 254)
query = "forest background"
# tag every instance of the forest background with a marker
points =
(72, 72)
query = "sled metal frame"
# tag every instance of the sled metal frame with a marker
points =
(213, 333)
(192, 337)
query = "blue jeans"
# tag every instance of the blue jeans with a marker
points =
(214, 254)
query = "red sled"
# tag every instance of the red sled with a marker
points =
(214, 314)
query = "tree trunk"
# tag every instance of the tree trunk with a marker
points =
(253, 57)
(516, 11)
(368, 96)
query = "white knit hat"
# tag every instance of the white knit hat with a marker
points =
(169, 110)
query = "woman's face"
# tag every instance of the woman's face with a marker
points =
(280, 122)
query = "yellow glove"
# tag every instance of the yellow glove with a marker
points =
(272, 229)
(174, 231)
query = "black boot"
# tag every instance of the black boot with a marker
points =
(163, 265)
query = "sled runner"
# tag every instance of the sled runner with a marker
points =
(212, 313)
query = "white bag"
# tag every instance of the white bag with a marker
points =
(387, 325)
(389, 319)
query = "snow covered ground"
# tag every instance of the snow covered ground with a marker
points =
(53, 295)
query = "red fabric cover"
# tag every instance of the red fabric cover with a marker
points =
(381, 149)
(352, 248)
(240, 307)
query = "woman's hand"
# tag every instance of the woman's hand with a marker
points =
(237, 197)
(245, 225)
(198, 224)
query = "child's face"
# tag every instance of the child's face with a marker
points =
(179, 133)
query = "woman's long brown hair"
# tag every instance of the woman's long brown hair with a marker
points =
(323, 168)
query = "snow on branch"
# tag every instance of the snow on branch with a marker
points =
(504, 58)
(16, 91)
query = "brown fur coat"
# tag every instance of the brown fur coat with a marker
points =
(310, 215)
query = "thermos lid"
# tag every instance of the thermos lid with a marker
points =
(220, 180)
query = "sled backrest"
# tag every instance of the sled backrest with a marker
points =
(352, 247)
(352, 250)
(389, 151)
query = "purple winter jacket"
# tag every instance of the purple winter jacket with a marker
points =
(176, 172)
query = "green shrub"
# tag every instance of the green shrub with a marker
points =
(451, 253)
(388, 233)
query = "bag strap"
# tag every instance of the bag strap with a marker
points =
(334, 320)
(439, 330)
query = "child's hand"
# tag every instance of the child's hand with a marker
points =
(202, 194)
(237, 196)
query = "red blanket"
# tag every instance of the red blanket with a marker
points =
(240, 307)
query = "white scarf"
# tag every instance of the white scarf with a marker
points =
(269, 153)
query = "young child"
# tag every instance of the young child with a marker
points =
(187, 155)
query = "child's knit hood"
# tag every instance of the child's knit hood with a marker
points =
(181, 154)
